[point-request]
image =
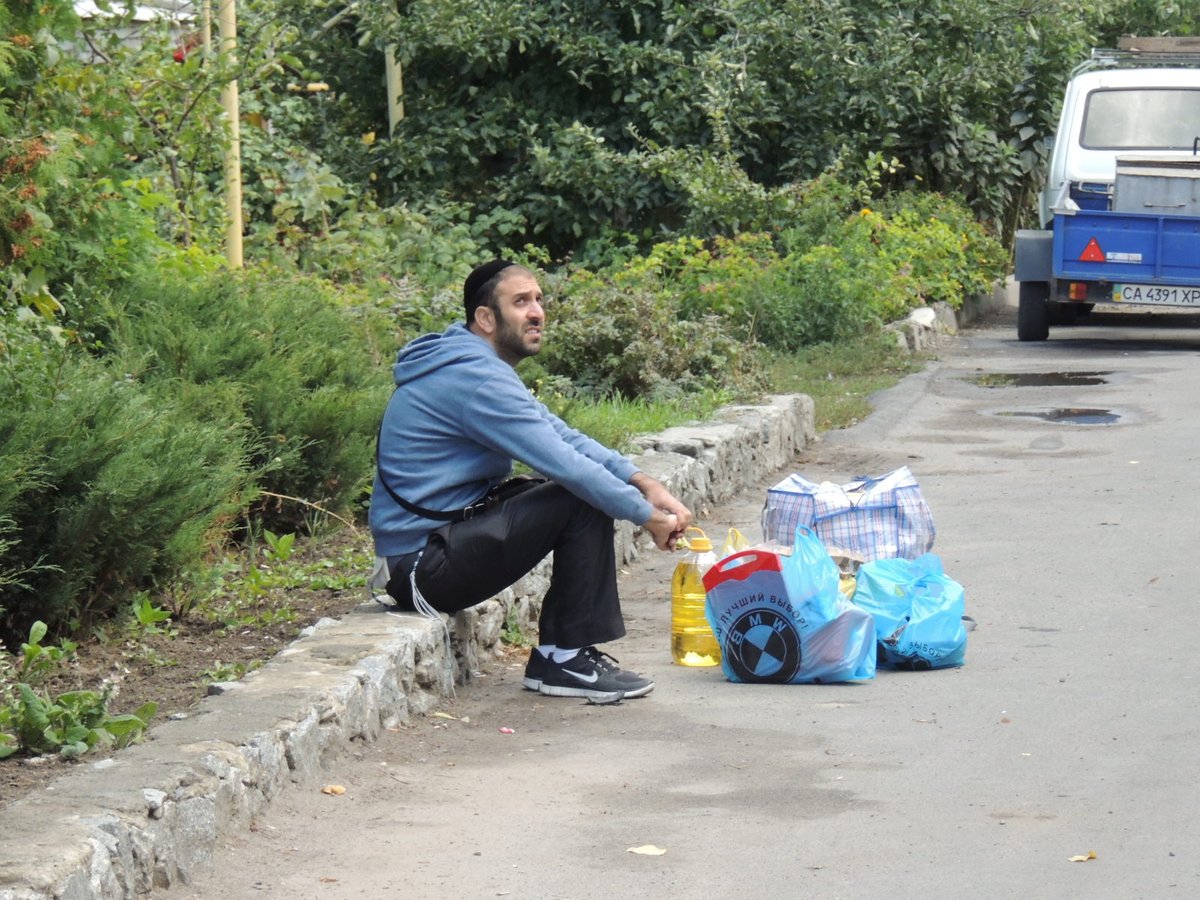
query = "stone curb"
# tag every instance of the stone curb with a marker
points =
(152, 815)
(919, 331)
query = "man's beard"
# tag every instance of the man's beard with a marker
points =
(510, 339)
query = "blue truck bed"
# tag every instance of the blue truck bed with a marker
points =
(1134, 251)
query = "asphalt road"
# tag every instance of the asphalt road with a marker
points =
(1072, 728)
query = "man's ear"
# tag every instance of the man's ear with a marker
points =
(485, 319)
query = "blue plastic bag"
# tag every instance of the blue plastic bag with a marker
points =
(781, 619)
(918, 612)
(812, 577)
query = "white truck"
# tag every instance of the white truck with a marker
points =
(1120, 211)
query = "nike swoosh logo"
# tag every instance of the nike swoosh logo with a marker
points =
(589, 679)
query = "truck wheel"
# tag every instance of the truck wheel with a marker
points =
(1033, 312)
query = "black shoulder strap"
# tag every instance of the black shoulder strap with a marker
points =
(437, 515)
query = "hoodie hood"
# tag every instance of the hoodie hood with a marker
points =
(434, 351)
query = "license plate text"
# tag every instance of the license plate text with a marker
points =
(1170, 295)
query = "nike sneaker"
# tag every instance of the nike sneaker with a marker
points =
(590, 673)
(535, 671)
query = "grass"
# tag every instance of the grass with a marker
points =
(615, 422)
(839, 377)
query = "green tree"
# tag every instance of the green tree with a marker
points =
(576, 116)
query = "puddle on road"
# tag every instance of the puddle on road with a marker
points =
(1069, 415)
(1038, 379)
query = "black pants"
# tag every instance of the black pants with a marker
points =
(467, 562)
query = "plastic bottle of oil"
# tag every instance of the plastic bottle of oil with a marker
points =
(692, 640)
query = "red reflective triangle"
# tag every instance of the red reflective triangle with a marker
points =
(1092, 252)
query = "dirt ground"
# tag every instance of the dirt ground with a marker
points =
(173, 668)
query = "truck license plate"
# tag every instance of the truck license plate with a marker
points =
(1165, 294)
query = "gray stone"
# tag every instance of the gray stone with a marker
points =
(946, 321)
(154, 802)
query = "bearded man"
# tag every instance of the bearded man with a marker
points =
(451, 528)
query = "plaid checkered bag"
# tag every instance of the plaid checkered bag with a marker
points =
(875, 518)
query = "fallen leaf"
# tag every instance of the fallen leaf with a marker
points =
(333, 789)
(1091, 854)
(647, 850)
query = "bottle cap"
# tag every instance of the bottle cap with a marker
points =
(700, 544)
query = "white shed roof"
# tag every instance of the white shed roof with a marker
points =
(180, 10)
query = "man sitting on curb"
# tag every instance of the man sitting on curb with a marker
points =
(454, 532)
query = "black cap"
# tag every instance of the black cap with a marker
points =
(477, 281)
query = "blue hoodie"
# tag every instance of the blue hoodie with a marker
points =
(459, 417)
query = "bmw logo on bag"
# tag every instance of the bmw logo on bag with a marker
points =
(763, 646)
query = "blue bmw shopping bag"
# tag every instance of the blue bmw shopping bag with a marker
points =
(782, 620)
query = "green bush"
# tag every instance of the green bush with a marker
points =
(825, 202)
(76, 215)
(833, 272)
(817, 297)
(877, 266)
(115, 486)
(215, 395)
(953, 255)
(284, 352)
(704, 277)
(641, 117)
(614, 338)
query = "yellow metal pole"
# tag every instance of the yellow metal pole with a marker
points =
(206, 27)
(227, 27)
(395, 87)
